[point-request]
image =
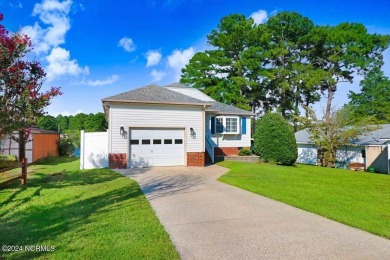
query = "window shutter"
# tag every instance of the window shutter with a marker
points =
(212, 125)
(243, 125)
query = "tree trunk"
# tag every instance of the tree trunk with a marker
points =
(329, 103)
(22, 156)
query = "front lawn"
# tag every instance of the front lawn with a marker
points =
(89, 214)
(357, 199)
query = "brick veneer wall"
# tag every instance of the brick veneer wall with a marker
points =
(223, 151)
(117, 160)
(196, 159)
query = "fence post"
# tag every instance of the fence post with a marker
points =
(82, 148)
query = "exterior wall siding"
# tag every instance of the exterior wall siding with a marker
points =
(350, 154)
(44, 145)
(150, 115)
(307, 154)
(378, 157)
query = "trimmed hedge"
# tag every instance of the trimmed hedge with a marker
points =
(7, 161)
(274, 140)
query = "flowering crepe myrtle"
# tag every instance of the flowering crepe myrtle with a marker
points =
(21, 100)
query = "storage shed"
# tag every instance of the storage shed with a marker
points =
(44, 143)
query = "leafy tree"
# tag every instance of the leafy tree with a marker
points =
(341, 51)
(62, 122)
(48, 122)
(333, 133)
(220, 72)
(374, 99)
(274, 140)
(21, 99)
(77, 122)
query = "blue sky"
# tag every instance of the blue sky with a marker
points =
(95, 49)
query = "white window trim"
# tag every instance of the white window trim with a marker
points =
(224, 125)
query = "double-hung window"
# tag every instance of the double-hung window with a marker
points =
(227, 125)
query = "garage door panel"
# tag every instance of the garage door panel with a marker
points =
(157, 147)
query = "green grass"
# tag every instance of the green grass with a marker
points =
(358, 199)
(89, 214)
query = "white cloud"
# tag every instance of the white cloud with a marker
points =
(16, 5)
(153, 58)
(157, 75)
(259, 17)
(55, 15)
(108, 81)
(127, 44)
(178, 59)
(60, 64)
(46, 38)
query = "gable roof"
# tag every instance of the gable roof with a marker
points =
(153, 94)
(164, 95)
(379, 136)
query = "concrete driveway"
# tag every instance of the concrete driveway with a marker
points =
(207, 219)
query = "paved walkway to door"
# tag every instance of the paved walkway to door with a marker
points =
(207, 219)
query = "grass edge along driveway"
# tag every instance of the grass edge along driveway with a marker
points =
(89, 214)
(357, 199)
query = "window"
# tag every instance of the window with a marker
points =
(219, 125)
(156, 141)
(178, 141)
(231, 124)
(145, 141)
(227, 125)
(167, 141)
(134, 141)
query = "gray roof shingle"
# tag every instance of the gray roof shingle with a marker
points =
(376, 137)
(154, 94)
(226, 109)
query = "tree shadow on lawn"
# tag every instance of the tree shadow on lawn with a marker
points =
(37, 224)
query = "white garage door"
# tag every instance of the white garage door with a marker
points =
(156, 147)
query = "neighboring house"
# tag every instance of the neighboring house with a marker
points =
(172, 125)
(43, 143)
(371, 149)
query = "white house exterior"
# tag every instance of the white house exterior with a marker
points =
(370, 149)
(172, 125)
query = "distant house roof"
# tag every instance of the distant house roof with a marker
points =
(379, 136)
(173, 94)
(36, 130)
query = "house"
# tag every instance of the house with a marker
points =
(172, 125)
(370, 149)
(43, 143)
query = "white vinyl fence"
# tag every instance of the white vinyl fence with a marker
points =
(93, 150)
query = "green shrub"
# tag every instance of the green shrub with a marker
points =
(65, 147)
(7, 161)
(274, 140)
(244, 152)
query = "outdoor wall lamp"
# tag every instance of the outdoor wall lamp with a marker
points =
(122, 130)
(192, 132)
